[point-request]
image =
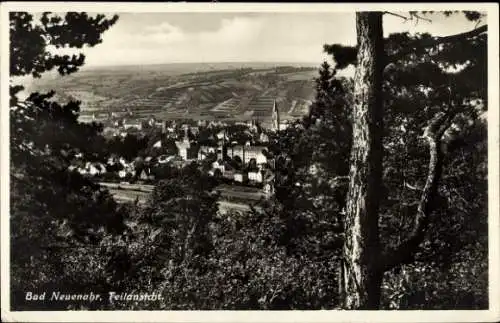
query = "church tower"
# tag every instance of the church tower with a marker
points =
(276, 117)
(221, 151)
(184, 145)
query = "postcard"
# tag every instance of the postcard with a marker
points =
(249, 162)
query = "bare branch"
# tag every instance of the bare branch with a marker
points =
(339, 181)
(412, 187)
(406, 250)
(413, 16)
(398, 15)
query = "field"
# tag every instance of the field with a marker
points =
(196, 91)
(233, 197)
(125, 193)
(126, 196)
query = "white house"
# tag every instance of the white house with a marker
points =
(92, 169)
(195, 130)
(246, 153)
(221, 134)
(122, 174)
(124, 162)
(97, 169)
(240, 177)
(218, 164)
(146, 174)
(263, 137)
(224, 167)
(255, 176)
(137, 126)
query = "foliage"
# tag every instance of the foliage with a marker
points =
(57, 217)
(425, 75)
(128, 147)
(31, 40)
(245, 267)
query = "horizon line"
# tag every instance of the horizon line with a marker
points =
(207, 63)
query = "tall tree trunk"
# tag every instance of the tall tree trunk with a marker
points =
(363, 276)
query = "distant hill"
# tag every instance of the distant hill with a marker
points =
(187, 90)
(184, 68)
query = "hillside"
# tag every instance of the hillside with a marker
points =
(198, 91)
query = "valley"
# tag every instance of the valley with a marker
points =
(225, 92)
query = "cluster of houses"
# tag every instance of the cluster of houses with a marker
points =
(122, 168)
(260, 175)
(253, 167)
(245, 164)
(248, 154)
(90, 168)
(123, 125)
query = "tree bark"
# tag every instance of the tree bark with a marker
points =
(361, 250)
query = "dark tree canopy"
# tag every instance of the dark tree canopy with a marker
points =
(31, 40)
(57, 216)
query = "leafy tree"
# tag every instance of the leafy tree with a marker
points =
(310, 190)
(74, 30)
(252, 165)
(170, 240)
(207, 162)
(413, 74)
(236, 162)
(239, 133)
(218, 173)
(45, 137)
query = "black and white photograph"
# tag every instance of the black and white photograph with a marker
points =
(278, 159)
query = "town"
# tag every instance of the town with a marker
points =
(235, 153)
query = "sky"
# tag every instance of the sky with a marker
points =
(156, 38)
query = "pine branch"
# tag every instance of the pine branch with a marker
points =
(346, 55)
(343, 55)
(405, 252)
(436, 41)
(419, 17)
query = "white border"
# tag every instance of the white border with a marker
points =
(491, 315)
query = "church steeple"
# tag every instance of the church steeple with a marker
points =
(222, 146)
(276, 117)
(186, 135)
(184, 145)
